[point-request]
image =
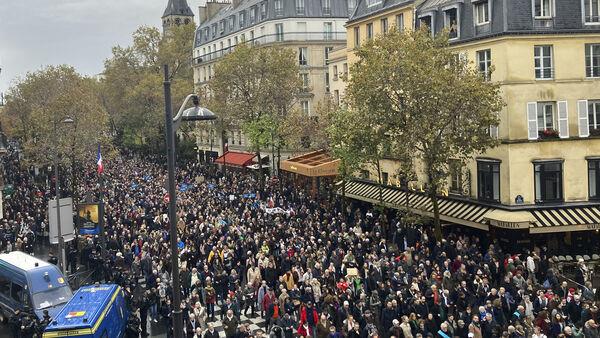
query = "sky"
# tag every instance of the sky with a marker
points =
(80, 33)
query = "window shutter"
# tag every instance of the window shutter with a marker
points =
(532, 125)
(563, 119)
(582, 109)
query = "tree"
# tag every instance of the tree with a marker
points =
(308, 132)
(132, 89)
(436, 105)
(256, 86)
(37, 105)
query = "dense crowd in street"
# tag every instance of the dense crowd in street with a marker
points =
(313, 268)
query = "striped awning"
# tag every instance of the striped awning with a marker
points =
(451, 210)
(562, 219)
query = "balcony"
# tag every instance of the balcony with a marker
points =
(543, 23)
(275, 38)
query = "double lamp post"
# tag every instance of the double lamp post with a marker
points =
(195, 113)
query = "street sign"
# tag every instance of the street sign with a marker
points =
(66, 220)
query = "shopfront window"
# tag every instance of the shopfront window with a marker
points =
(488, 181)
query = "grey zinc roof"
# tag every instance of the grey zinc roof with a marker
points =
(435, 4)
(178, 7)
(362, 10)
(313, 9)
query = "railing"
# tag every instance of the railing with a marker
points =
(482, 29)
(592, 19)
(272, 38)
(543, 23)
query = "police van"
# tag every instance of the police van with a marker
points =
(95, 311)
(30, 283)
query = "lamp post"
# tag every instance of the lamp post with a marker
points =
(61, 240)
(195, 113)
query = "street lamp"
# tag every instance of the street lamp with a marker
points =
(195, 113)
(61, 239)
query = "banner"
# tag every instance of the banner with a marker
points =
(89, 218)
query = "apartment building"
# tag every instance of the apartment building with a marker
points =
(545, 175)
(312, 28)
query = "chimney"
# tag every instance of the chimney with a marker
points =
(202, 15)
(213, 7)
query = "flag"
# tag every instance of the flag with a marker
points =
(99, 161)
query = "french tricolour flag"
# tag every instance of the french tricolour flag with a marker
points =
(99, 161)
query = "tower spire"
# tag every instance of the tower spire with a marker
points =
(178, 12)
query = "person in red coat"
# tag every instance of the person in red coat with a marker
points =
(309, 316)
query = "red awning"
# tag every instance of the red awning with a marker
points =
(237, 159)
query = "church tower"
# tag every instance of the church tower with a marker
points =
(177, 13)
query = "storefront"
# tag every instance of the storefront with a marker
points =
(311, 171)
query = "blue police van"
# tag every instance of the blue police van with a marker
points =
(28, 282)
(95, 311)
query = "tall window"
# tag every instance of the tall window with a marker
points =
(231, 23)
(455, 177)
(328, 31)
(327, 87)
(592, 10)
(356, 36)
(263, 10)
(369, 31)
(305, 107)
(326, 5)
(594, 179)
(543, 62)
(305, 81)
(252, 14)
(279, 32)
(484, 60)
(451, 22)
(335, 73)
(548, 182)
(400, 21)
(545, 116)
(592, 60)
(482, 13)
(384, 26)
(300, 7)
(351, 6)
(542, 8)
(278, 5)
(488, 181)
(303, 56)
(327, 52)
(427, 21)
(345, 68)
(242, 19)
(594, 114)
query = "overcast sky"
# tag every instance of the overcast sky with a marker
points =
(35, 33)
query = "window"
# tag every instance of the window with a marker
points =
(235, 40)
(592, 60)
(335, 73)
(303, 56)
(326, 5)
(252, 14)
(365, 174)
(593, 114)
(545, 116)
(542, 8)
(385, 177)
(351, 6)
(369, 31)
(222, 26)
(451, 22)
(231, 23)
(400, 21)
(594, 179)
(327, 52)
(455, 177)
(592, 11)
(305, 107)
(214, 30)
(482, 13)
(327, 87)
(543, 62)
(427, 21)
(356, 36)
(484, 60)
(251, 36)
(242, 19)
(263, 10)
(278, 7)
(304, 78)
(548, 182)
(336, 96)
(278, 32)
(16, 292)
(300, 7)
(4, 286)
(345, 66)
(488, 181)
(384, 26)
(328, 31)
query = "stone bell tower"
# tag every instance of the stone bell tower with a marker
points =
(177, 13)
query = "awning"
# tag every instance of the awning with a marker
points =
(510, 219)
(455, 211)
(315, 164)
(236, 159)
(561, 219)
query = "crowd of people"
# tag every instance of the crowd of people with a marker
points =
(309, 266)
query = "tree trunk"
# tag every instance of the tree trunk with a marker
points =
(436, 213)
(223, 151)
